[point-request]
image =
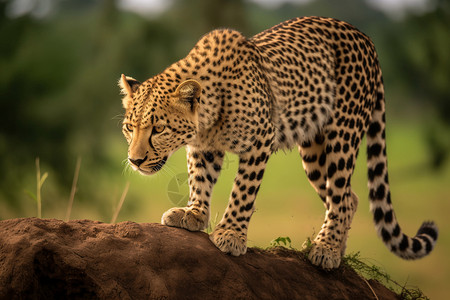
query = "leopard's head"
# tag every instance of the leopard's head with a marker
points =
(160, 117)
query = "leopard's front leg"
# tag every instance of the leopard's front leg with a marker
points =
(204, 168)
(230, 235)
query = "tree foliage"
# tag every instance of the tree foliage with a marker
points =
(59, 98)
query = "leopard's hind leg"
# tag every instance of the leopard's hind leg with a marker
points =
(329, 172)
(313, 160)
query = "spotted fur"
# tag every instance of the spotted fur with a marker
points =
(314, 83)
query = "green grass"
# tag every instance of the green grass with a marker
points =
(369, 271)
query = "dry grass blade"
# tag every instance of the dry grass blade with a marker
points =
(119, 207)
(74, 189)
(38, 189)
(370, 287)
(39, 182)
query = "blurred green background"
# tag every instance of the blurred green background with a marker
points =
(59, 65)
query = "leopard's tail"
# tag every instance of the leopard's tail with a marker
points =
(380, 198)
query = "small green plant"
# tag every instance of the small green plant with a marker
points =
(282, 241)
(39, 183)
(307, 245)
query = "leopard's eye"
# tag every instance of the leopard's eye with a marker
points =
(129, 127)
(159, 128)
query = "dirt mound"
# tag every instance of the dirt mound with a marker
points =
(52, 259)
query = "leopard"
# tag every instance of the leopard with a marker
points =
(314, 83)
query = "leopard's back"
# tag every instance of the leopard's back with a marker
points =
(317, 67)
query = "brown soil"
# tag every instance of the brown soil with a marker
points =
(83, 259)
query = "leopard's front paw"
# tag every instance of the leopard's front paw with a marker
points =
(185, 217)
(324, 256)
(229, 241)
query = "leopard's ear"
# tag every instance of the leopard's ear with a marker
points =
(187, 95)
(128, 86)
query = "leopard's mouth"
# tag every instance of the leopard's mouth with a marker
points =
(153, 167)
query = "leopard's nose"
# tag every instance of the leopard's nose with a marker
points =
(137, 162)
